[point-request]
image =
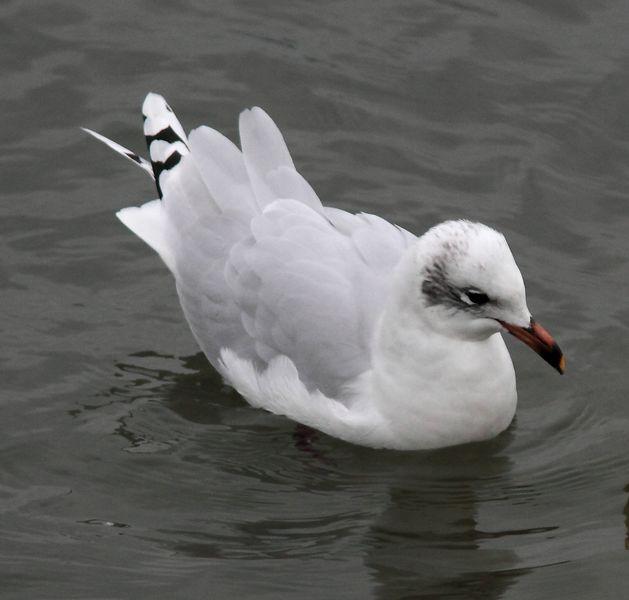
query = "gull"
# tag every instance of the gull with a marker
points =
(342, 322)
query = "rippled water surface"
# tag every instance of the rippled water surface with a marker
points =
(130, 471)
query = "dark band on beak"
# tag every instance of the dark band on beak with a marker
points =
(537, 338)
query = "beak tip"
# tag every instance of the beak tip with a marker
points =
(537, 338)
(562, 365)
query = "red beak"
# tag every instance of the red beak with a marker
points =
(536, 337)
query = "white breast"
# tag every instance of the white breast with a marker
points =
(432, 391)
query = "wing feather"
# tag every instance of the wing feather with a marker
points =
(302, 287)
(268, 162)
(263, 270)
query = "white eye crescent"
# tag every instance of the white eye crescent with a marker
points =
(474, 297)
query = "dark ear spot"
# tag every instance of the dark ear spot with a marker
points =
(432, 287)
(437, 289)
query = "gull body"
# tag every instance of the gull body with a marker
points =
(345, 323)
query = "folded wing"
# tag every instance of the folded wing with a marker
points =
(262, 268)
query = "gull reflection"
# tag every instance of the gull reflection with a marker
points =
(430, 540)
(412, 525)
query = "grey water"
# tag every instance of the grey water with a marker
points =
(129, 470)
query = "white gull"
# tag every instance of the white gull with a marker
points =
(345, 323)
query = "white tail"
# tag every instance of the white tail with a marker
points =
(150, 224)
(167, 144)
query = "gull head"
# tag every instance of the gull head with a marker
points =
(470, 288)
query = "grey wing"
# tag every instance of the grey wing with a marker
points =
(257, 274)
(212, 199)
(312, 290)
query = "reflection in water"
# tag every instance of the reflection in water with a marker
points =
(305, 440)
(188, 386)
(216, 480)
(427, 542)
(417, 512)
(626, 513)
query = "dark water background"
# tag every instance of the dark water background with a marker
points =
(127, 470)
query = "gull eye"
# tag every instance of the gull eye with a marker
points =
(474, 297)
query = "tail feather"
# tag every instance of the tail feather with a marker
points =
(150, 223)
(132, 156)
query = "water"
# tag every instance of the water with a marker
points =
(129, 471)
